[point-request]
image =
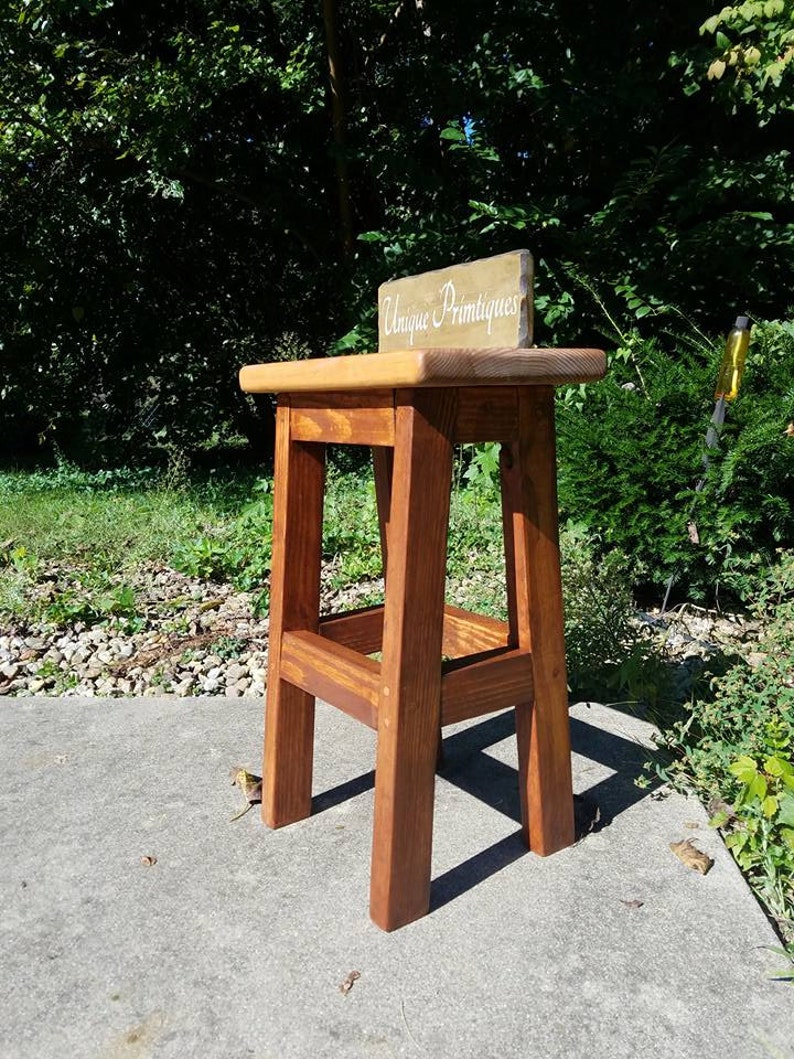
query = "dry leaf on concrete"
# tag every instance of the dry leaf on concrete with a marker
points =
(250, 785)
(689, 854)
(148, 861)
(347, 985)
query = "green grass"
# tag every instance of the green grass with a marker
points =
(106, 527)
(101, 520)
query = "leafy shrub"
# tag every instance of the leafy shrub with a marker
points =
(736, 749)
(761, 827)
(609, 655)
(753, 482)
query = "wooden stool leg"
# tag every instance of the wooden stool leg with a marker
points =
(294, 605)
(529, 499)
(383, 464)
(409, 707)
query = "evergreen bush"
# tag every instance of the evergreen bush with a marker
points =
(632, 450)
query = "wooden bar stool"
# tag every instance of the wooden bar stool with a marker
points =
(456, 365)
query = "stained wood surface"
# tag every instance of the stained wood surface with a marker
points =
(409, 707)
(486, 413)
(479, 304)
(332, 672)
(466, 633)
(535, 604)
(383, 468)
(411, 404)
(360, 630)
(482, 413)
(492, 683)
(295, 604)
(343, 418)
(449, 366)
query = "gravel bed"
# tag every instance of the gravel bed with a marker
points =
(192, 637)
(186, 637)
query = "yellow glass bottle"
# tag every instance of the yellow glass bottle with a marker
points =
(732, 363)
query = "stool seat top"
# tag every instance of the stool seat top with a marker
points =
(409, 368)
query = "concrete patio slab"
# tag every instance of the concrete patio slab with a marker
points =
(236, 941)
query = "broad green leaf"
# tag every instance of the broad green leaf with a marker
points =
(786, 811)
(744, 768)
(775, 766)
(737, 840)
(757, 787)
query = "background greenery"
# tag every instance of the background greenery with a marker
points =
(181, 190)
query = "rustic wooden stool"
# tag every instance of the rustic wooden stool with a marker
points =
(455, 367)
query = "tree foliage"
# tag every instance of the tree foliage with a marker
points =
(755, 42)
(178, 183)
